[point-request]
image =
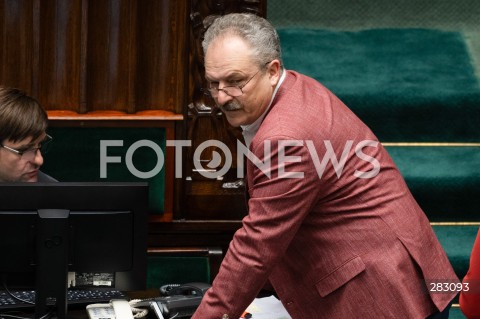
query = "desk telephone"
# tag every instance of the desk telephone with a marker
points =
(180, 301)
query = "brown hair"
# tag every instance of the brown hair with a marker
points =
(21, 116)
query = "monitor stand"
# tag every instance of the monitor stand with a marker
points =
(52, 249)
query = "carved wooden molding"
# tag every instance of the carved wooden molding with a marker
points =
(205, 121)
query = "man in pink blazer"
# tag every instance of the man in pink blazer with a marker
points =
(332, 225)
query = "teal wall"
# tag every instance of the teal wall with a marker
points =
(75, 156)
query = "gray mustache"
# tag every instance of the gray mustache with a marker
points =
(231, 106)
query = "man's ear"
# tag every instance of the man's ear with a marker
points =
(274, 72)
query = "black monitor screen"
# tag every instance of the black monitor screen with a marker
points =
(59, 235)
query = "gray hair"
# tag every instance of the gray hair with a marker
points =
(21, 116)
(256, 31)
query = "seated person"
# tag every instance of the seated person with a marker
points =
(23, 137)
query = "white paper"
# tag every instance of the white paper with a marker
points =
(268, 308)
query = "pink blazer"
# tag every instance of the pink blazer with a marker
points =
(333, 241)
(470, 295)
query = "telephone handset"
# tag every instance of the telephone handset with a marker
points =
(193, 288)
(180, 301)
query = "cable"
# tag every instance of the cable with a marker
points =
(137, 312)
(2, 316)
(15, 297)
(47, 315)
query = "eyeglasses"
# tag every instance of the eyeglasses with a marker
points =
(29, 154)
(231, 90)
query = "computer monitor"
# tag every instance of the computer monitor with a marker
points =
(50, 229)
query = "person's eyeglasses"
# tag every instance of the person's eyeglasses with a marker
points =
(29, 154)
(231, 90)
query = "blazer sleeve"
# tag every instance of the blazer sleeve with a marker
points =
(278, 205)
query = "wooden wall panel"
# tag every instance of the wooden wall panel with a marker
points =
(16, 43)
(97, 55)
(109, 69)
(162, 54)
(59, 35)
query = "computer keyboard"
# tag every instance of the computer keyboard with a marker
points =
(75, 297)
